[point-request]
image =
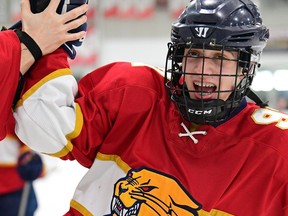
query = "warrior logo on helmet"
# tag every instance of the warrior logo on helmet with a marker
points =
(148, 192)
(201, 31)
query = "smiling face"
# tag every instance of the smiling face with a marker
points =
(211, 74)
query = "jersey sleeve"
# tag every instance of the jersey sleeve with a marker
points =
(10, 53)
(47, 117)
(45, 113)
(69, 120)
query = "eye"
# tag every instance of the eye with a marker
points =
(193, 53)
(226, 55)
(219, 56)
(147, 188)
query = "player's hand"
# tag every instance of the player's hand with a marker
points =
(50, 29)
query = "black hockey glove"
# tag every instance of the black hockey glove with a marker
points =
(38, 6)
(29, 166)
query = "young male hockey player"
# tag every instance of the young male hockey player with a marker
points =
(42, 33)
(201, 149)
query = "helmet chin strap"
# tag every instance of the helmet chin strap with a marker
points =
(249, 93)
(253, 96)
(203, 112)
(214, 111)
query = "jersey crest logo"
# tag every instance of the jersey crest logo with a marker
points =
(201, 31)
(145, 192)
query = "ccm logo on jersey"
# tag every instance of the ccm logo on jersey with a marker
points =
(200, 112)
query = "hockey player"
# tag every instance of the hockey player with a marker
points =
(41, 34)
(201, 149)
(19, 167)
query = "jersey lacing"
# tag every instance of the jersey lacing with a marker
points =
(191, 134)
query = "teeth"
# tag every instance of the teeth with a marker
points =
(204, 84)
(204, 94)
(124, 212)
(120, 210)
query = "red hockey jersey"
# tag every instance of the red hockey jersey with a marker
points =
(10, 149)
(142, 159)
(10, 69)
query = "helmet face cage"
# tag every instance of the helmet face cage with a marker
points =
(220, 26)
(200, 110)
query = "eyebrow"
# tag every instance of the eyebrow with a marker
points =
(233, 53)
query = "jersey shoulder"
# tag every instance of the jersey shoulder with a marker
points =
(268, 126)
(262, 126)
(269, 119)
(124, 74)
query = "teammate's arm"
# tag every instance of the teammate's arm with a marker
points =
(49, 29)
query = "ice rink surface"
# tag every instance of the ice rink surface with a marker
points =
(55, 190)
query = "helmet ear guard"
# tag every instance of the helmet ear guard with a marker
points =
(244, 59)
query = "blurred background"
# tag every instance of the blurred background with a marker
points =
(134, 30)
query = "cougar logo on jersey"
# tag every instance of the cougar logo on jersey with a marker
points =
(147, 192)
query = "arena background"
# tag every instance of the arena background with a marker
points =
(134, 30)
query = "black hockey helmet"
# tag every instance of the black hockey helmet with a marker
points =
(233, 25)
